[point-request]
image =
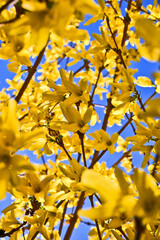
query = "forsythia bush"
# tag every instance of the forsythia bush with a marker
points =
(72, 98)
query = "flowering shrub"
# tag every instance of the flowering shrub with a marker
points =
(75, 103)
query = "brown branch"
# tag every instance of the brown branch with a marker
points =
(85, 65)
(111, 4)
(126, 23)
(122, 232)
(98, 198)
(108, 111)
(126, 124)
(150, 98)
(6, 5)
(21, 118)
(79, 157)
(96, 159)
(140, 228)
(62, 220)
(117, 50)
(144, 10)
(9, 21)
(81, 137)
(120, 4)
(61, 144)
(31, 72)
(156, 161)
(75, 217)
(96, 222)
(126, 154)
(44, 163)
(140, 100)
(95, 86)
(104, 126)
(134, 130)
(88, 223)
(35, 235)
(60, 203)
(13, 230)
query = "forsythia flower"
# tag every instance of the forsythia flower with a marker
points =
(37, 221)
(103, 141)
(77, 93)
(16, 49)
(41, 17)
(115, 197)
(75, 121)
(11, 140)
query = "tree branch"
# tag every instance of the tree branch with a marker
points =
(75, 217)
(7, 4)
(62, 220)
(31, 72)
(13, 230)
(96, 222)
(81, 137)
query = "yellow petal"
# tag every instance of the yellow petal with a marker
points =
(88, 114)
(3, 184)
(115, 223)
(102, 4)
(73, 33)
(102, 212)
(12, 121)
(145, 82)
(107, 189)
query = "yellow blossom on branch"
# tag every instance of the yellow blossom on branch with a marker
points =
(103, 141)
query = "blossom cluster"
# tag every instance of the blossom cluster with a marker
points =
(74, 102)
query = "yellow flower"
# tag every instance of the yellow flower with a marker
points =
(103, 141)
(11, 140)
(108, 190)
(37, 224)
(116, 198)
(148, 206)
(16, 49)
(77, 92)
(10, 166)
(40, 18)
(75, 121)
(38, 188)
(150, 49)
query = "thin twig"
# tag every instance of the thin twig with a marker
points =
(126, 23)
(95, 86)
(79, 157)
(134, 130)
(7, 4)
(62, 219)
(13, 230)
(62, 146)
(150, 98)
(156, 161)
(81, 137)
(126, 154)
(108, 111)
(31, 72)
(85, 65)
(123, 233)
(140, 228)
(96, 222)
(44, 163)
